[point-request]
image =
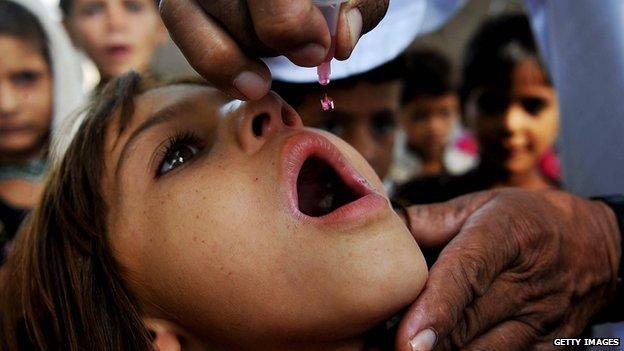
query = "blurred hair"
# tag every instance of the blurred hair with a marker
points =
(296, 93)
(493, 52)
(16, 21)
(67, 5)
(61, 288)
(428, 73)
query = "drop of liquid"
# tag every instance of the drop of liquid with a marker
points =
(327, 103)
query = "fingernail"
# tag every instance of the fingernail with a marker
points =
(311, 53)
(354, 20)
(251, 84)
(424, 341)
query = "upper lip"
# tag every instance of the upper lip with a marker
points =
(302, 146)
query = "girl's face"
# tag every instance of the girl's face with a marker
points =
(428, 122)
(118, 35)
(246, 229)
(25, 98)
(516, 129)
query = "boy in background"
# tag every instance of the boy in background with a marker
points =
(366, 111)
(117, 35)
(430, 118)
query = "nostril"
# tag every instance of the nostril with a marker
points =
(257, 125)
(288, 117)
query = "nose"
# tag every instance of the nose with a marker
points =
(514, 119)
(8, 100)
(116, 19)
(262, 119)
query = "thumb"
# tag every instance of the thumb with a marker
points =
(436, 224)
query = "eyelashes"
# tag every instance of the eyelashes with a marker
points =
(177, 150)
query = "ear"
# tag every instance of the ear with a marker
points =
(165, 336)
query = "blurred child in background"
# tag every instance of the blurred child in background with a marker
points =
(511, 105)
(366, 111)
(117, 35)
(430, 119)
(34, 52)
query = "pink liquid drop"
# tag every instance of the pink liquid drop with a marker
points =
(327, 103)
(324, 69)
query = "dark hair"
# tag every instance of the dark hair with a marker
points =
(296, 93)
(66, 6)
(428, 73)
(17, 21)
(492, 53)
(62, 288)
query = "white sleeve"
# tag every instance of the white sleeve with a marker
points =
(404, 20)
(582, 42)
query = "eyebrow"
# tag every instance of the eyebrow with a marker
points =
(163, 116)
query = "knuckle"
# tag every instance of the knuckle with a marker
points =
(283, 24)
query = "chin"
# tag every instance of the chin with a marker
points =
(373, 267)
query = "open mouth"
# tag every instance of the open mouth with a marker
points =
(323, 185)
(117, 50)
(321, 190)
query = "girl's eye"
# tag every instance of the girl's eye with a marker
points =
(533, 105)
(133, 6)
(92, 9)
(25, 78)
(176, 155)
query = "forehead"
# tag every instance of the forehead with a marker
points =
(188, 99)
(18, 52)
(528, 72)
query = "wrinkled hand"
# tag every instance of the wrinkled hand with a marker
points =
(520, 269)
(222, 39)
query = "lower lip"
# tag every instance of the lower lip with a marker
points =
(303, 145)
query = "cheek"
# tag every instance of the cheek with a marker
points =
(545, 130)
(37, 104)
(206, 244)
(89, 34)
(146, 30)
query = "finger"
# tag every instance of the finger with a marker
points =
(436, 224)
(296, 29)
(459, 277)
(213, 53)
(511, 335)
(357, 17)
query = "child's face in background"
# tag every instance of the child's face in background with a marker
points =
(515, 129)
(118, 35)
(365, 116)
(207, 201)
(428, 122)
(25, 98)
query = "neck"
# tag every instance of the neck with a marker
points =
(431, 167)
(431, 162)
(20, 158)
(531, 179)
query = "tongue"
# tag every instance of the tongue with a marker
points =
(320, 189)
